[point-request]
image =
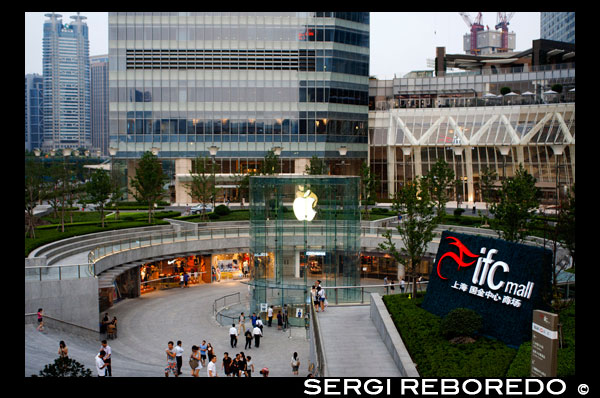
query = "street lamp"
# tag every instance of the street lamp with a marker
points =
(458, 152)
(37, 152)
(213, 149)
(558, 150)
(66, 152)
(155, 150)
(504, 151)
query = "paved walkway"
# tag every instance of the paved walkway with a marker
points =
(147, 323)
(353, 347)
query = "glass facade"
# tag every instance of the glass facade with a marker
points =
(182, 81)
(34, 112)
(558, 26)
(289, 253)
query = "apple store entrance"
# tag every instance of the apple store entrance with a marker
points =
(303, 228)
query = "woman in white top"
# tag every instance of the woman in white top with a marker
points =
(295, 363)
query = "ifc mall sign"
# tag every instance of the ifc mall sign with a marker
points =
(501, 281)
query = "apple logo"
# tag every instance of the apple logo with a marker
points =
(304, 205)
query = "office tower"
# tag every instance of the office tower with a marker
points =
(66, 71)
(558, 26)
(99, 105)
(244, 83)
(34, 117)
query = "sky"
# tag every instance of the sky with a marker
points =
(400, 42)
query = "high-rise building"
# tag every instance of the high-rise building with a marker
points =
(243, 82)
(66, 71)
(99, 105)
(34, 116)
(558, 26)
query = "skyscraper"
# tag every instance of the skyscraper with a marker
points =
(66, 71)
(99, 106)
(242, 82)
(558, 26)
(34, 116)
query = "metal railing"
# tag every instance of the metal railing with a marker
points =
(349, 294)
(60, 272)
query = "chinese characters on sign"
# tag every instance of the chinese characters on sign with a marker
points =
(488, 294)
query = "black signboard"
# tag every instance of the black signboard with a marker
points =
(501, 281)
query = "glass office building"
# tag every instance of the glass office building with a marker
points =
(243, 82)
(66, 71)
(558, 26)
(34, 113)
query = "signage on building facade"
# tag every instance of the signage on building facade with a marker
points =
(544, 344)
(501, 281)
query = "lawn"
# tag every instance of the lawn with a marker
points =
(437, 357)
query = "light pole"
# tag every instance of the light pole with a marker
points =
(113, 152)
(213, 149)
(504, 151)
(343, 150)
(66, 152)
(457, 152)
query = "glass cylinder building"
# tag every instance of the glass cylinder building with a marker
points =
(303, 229)
(244, 82)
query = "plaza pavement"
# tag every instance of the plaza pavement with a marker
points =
(147, 323)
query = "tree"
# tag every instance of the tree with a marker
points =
(99, 189)
(438, 181)
(202, 186)
(505, 90)
(566, 222)
(33, 192)
(270, 165)
(316, 166)
(242, 178)
(368, 186)
(518, 199)
(148, 182)
(487, 177)
(419, 219)
(64, 367)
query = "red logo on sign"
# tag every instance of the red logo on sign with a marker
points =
(458, 258)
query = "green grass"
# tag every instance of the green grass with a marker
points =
(437, 357)
(89, 222)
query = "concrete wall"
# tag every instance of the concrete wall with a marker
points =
(70, 300)
(391, 338)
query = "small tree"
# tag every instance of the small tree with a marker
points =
(202, 185)
(505, 90)
(316, 166)
(487, 177)
(518, 199)
(368, 186)
(64, 367)
(148, 182)
(419, 219)
(270, 165)
(439, 180)
(99, 189)
(33, 192)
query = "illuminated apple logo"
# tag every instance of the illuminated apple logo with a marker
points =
(304, 205)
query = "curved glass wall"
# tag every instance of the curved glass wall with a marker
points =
(303, 229)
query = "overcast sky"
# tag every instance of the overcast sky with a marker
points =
(400, 41)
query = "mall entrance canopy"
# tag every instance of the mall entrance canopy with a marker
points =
(303, 229)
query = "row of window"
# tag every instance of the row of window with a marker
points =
(334, 34)
(351, 139)
(242, 127)
(330, 95)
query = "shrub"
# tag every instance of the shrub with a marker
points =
(64, 367)
(458, 212)
(213, 216)
(222, 210)
(460, 322)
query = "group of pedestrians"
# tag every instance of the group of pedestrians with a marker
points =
(318, 296)
(103, 360)
(256, 331)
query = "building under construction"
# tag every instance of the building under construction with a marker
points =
(481, 40)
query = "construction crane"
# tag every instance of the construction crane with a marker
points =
(502, 21)
(475, 26)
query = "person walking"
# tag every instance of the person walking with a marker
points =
(253, 319)
(242, 323)
(186, 278)
(63, 351)
(270, 315)
(107, 358)
(211, 369)
(226, 365)
(195, 361)
(249, 366)
(285, 316)
(315, 298)
(257, 335)
(259, 324)
(243, 365)
(295, 363)
(279, 320)
(202, 349)
(171, 361)
(233, 333)
(210, 352)
(248, 336)
(178, 354)
(321, 294)
(40, 319)
(100, 364)
(402, 285)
